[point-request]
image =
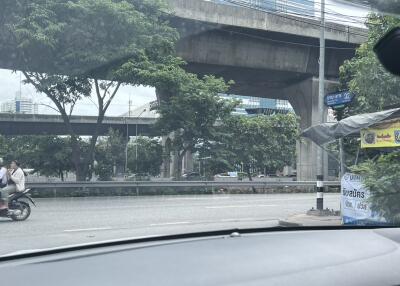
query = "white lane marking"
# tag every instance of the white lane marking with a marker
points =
(87, 229)
(238, 219)
(170, 223)
(239, 206)
(198, 198)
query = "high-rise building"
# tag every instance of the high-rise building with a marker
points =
(257, 105)
(19, 105)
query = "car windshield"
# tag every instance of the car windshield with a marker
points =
(123, 119)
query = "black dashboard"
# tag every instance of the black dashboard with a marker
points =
(305, 257)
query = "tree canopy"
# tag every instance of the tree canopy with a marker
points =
(374, 87)
(261, 142)
(46, 155)
(110, 155)
(191, 116)
(381, 177)
(89, 38)
(145, 156)
(71, 49)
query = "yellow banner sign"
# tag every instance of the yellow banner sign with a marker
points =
(383, 135)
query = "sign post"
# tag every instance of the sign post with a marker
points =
(338, 101)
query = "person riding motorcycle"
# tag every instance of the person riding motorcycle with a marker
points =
(3, 174)
(16, 183)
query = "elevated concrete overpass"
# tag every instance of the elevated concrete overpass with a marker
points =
(262, 52)
(267, 55)
(30, 124)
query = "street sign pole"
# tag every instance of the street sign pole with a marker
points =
(339, 110)
(338, 101)
(341, 159)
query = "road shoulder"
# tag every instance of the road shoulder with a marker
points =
(311, 220)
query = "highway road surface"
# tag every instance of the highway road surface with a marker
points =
(69, 221)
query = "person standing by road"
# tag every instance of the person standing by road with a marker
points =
(16, 182)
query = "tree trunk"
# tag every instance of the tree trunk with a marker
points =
(86, 172)
(178, 164)
(250, 178)
(76, 159)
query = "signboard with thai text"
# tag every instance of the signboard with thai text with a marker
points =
(383, 135)
(355, 202)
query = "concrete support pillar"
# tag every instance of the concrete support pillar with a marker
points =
(119, 169)
(173, 164)
(187, 164)
(303, 97)
(165, 166)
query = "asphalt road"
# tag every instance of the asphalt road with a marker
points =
(69, 221)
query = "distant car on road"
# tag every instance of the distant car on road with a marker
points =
(227, 175)
(139, 177)
(192, 176)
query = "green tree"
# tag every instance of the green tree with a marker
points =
(262, 141)
(392, 7)
(47, 155)
(214, 158)
(63, 48)
(190, 117)
(381, 177)
(363, 75)
(373, 86)
(145, 156)
(110, 155)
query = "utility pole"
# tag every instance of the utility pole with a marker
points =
(127, 137)
(321, 94)
(136, 143)
(126, 148)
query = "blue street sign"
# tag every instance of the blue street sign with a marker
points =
(338, 98)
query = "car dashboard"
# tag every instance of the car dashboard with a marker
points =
(301, 257)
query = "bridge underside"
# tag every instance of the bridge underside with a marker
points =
(37, 128)
(26, 124)
(270, 65)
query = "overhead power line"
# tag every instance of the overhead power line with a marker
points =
(245, 4)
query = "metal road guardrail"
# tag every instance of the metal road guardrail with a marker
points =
(133, 184)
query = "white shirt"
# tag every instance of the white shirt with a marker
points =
(3, 175)
(18, 177)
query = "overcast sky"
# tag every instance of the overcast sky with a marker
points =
(10, 84)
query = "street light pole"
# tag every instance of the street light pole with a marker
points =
(321, 94)
(126, 147)
(127, 141)
(136, 149)
(136, 145)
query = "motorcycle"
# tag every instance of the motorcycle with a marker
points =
(18, 208)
